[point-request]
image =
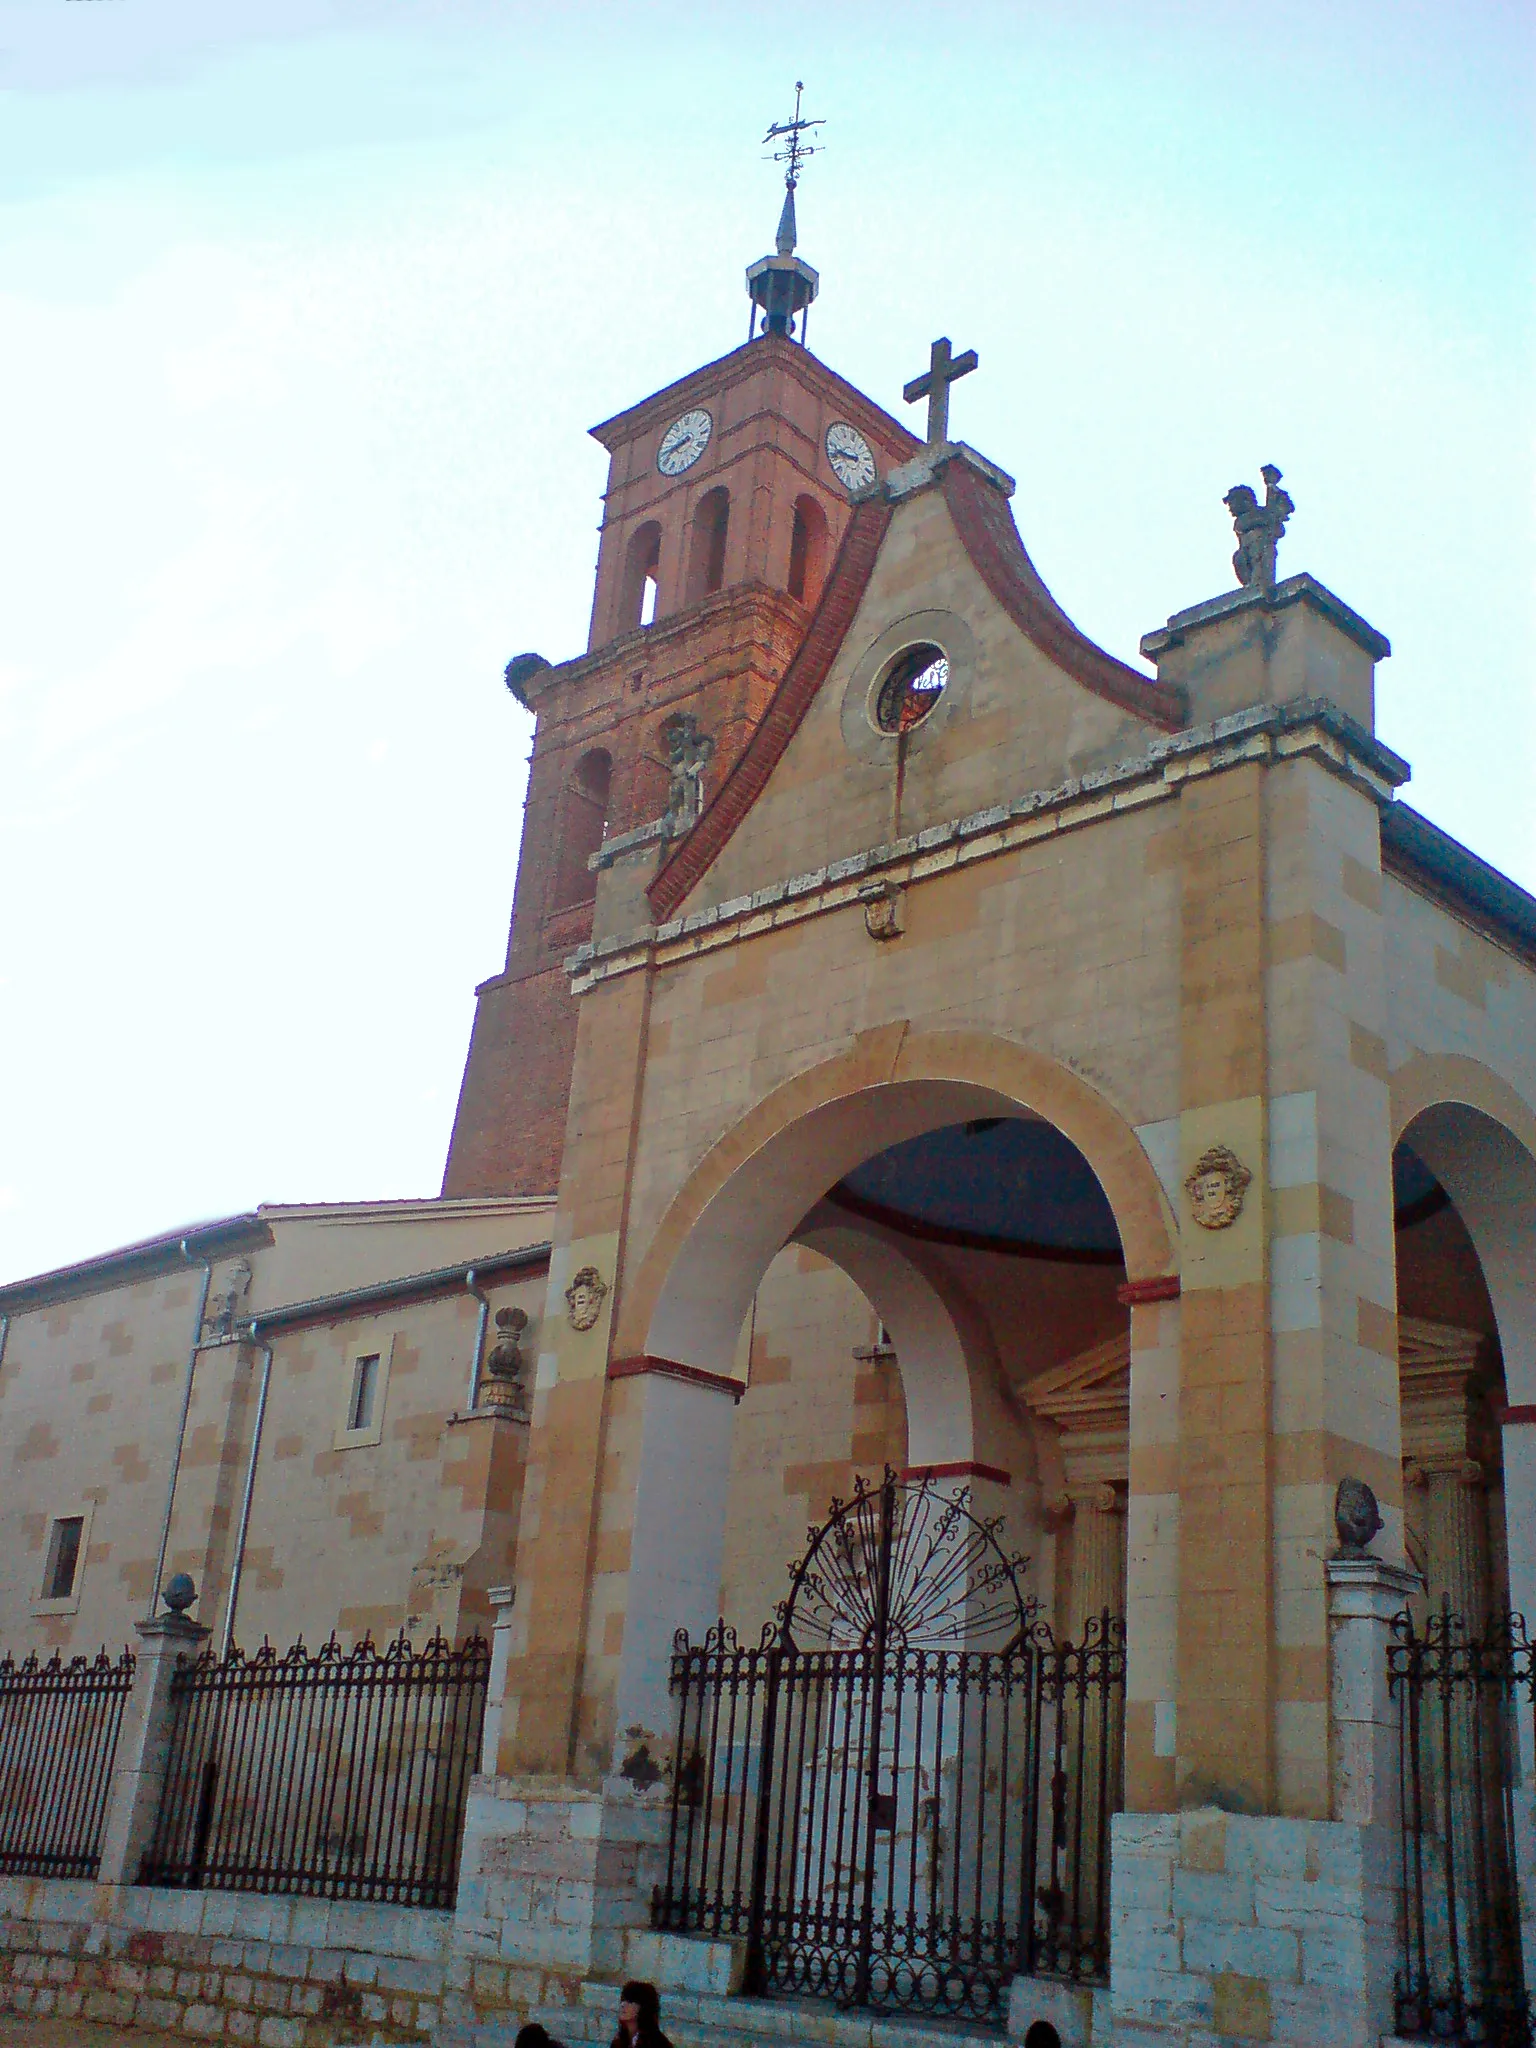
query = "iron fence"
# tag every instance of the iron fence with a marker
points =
(59, 1725)
(906, 1837)
(341, 1774)
(901, 1797)
(1460, 1976)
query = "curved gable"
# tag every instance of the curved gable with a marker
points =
(985, 529)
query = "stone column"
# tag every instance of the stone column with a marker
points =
(144, 1744)
(1448, 1446)
(1089, 1401)
(1098, 1554)
(1456, 1530)
(675, 1549)
(558, 1874)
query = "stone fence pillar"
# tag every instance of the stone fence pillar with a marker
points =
(144, 1745)
(501, 1599)
(1364, 1594)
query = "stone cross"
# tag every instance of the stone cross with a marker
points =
(943, 369)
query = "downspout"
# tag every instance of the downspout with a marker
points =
(181, 1427)
(227, 1635)
(479, 1350)
(5, 1331)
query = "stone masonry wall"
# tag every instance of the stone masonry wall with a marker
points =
(1228, 1927)
(220, 1966)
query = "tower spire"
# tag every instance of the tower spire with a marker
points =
(782, 285)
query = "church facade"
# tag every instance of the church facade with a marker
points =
(927, 1045)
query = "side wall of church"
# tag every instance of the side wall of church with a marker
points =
(406, 1523)
(89, 1393)
(1455, 994)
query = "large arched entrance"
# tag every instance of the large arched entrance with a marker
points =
(988, 1248)
(1465, 1216)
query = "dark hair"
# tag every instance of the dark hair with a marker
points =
(646, 1997)
(533, 2036)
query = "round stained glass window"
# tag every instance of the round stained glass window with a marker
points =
(911, 687)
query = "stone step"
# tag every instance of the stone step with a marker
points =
(694, 2021)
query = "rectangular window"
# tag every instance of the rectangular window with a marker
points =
(63, 1557)
(362, 1391)
(365, 1391)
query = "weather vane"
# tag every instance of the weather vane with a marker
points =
(792, 134)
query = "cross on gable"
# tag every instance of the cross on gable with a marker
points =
(943, 368)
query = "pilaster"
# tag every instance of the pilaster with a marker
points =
(562, 1543)
(1226, 1646)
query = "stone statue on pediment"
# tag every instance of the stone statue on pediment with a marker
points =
(1258, 528)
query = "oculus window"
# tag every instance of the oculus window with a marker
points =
(910, 688)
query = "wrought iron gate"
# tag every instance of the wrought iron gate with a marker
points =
(1460, 1975)
(900, 1798)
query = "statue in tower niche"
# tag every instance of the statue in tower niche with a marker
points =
(1258, 528)
(689, 752)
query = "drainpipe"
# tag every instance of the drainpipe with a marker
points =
(228, 1634)
(181, 1427)
(479, 1350)
(5, 1331)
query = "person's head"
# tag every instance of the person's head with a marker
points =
(639, 2005)
(532, 2036)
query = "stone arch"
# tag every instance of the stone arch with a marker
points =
(642, 569)
(956, 1413)
(1477, 1135)
(688, 1295)
(708, 536)
(807, 550)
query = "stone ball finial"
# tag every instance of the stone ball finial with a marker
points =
(179, 1592)
(1356, 1517)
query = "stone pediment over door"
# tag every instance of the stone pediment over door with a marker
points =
(1088, 1398)
(930, 559)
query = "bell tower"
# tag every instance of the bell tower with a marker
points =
(727, 497)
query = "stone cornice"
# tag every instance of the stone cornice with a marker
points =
(1302, 589)
(1444, 1415)
(1309, 726)
(1429, 860)
(747, 361)
(746, 598)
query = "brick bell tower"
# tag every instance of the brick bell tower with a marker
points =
(728, 494)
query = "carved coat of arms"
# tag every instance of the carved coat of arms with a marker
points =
(584, 1298)
(1216, 1185)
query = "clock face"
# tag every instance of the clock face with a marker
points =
(684, 442)
(850, 456)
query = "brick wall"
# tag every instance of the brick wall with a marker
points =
(720, 660)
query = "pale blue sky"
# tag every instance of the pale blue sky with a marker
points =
(305, 310)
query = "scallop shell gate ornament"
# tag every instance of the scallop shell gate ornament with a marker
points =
(882, 1797)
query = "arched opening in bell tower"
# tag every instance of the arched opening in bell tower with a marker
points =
(807, 551)
(706, 548)
(584, 826)
(642, 561)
